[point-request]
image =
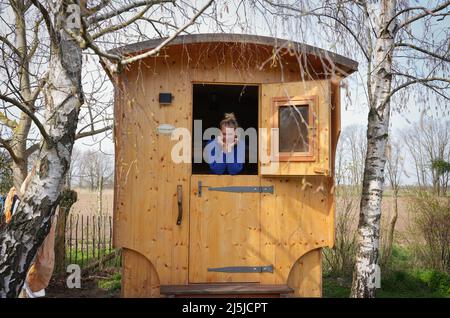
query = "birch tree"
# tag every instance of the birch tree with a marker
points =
(68, 28)
(404, 50)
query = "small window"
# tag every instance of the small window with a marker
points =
(295, 121)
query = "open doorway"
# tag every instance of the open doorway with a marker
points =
(211, 101)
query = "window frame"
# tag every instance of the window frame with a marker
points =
(313, 138)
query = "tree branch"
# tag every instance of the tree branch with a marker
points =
(316, 14)
(411, 82)
(32, 149)
(169, 39)
(29, 113)
(424, 14)
(5, 143)
(8, 122)
(412, 46)
(10, 45)
(92, 132)
(125, 8)
(116, 27)
(48, 21)
(35, 146)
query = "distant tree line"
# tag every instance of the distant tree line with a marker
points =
(418, 155)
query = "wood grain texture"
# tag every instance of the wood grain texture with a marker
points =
(305, 277)
(139, 277)
(319, 90)
(294, 220)
(225, 229)
(298, 218)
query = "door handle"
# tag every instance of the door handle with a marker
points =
(180, 203)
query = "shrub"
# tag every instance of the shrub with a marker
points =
(437, 281)
(431, 224)
(340, 259)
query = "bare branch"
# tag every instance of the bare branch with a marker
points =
(319, 14)
(5, 143)
(117, 27)
(93, 132)
(29, 113)
(412, 46)
(427, 12)
(10, 45)
(32, 149)
(411, 82)
(48, 21)
(36, 146)
(35, 42)
(125, 8)
(169, 39)
(8, 122)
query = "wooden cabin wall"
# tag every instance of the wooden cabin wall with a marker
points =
(305, 277)
(139, 277)
(145, 198)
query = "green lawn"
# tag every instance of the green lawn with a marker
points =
(403, 279)
(402, 284)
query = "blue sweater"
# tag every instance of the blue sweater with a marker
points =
(230, 163)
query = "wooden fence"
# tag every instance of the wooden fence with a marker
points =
(88, 239)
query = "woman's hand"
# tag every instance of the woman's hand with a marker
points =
(226, 146)
(220, 142)
(229, 146)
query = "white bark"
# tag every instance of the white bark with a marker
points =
(364, 274)
(31, 223)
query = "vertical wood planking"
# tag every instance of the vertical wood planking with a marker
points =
(139, 277)
(225, 229)
(306, 275)
(145, 206)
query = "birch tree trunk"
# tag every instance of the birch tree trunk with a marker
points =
(29, 226)
(364, 274)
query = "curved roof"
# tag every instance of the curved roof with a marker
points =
(347, 65)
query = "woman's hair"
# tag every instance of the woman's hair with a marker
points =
(229, 120)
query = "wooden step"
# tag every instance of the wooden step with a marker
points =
(226, 290)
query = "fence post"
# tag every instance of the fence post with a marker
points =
(87, 238)
(110, 234)
(99, 236)
(76, 239)
(93, 237)
(70, 239)
(82, 239)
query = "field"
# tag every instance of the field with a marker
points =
(87, 203)
(400, 281)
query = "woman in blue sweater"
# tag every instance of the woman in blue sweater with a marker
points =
(230, 155)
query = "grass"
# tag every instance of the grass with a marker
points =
(401, 281)
(70, 256)
(398, 284)
(110, 284)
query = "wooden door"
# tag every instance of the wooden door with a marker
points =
(224, 228)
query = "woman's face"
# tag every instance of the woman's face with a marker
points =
(228, 134)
